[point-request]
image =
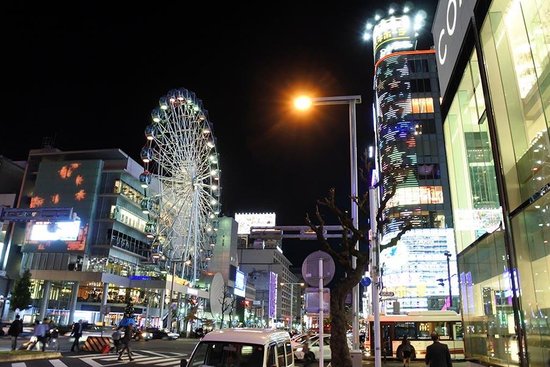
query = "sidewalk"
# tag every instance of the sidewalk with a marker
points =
(27, 355)
(369, 361)
(7, 355)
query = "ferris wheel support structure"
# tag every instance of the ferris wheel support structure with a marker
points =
(181, 160)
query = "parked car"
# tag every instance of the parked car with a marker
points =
(162, 334)
(297, 340)
(242, 347)
(315, 348)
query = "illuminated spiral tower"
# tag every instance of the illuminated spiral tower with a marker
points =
(409, 138)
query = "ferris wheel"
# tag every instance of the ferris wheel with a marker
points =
(181, 161)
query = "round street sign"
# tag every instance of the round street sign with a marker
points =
(366, 281)
(310, 268)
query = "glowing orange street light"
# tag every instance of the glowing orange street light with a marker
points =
(302, 102)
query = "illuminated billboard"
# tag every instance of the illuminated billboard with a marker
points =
(393, 34)
(240, 284)
(63, 184)
(55, 231)
(272, 301)
(411, 268)
(247, 220)
(416, 195)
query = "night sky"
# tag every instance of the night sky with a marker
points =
(88, 76)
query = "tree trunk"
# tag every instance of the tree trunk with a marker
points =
(340, 353)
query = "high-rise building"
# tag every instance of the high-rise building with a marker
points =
(93, 263)
(261, 257)
(12, 174)
(494, 73)
(411, 155)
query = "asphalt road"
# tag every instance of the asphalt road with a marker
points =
(152, 353)
(166, 353)
(180, 345)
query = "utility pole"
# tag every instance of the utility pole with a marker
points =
(374, 270)
(448, 254)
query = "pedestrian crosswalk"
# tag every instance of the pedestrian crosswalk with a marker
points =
(140, 358)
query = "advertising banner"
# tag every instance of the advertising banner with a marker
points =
(63, 184)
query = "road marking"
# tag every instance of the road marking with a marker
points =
(57, 363)
(80, 356)
(91, 362)
(174, 362)
(143, 357)
(19, 364)
(156, 358)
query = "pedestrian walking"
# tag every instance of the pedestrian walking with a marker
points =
(40, 332)
(52, 336)
(16, 328)
(405, 351)
(309, 357)
(127, 324)
(76, 332)
(437, 353)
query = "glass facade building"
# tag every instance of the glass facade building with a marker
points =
(494, 66)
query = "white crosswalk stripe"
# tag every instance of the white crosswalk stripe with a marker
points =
(174, 362)
(149, 358)
(57, 363)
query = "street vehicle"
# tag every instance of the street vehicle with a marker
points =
(297, 340)
(315, 347)
(417, 326)
(140, 334)
(242, 347)
(162, 334)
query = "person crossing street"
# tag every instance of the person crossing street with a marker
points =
(76, 333)
(127, 324)
(15, 329)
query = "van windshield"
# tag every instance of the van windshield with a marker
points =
(227, 354)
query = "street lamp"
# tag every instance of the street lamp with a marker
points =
(292, 300)
(304, 103)
(448, 254)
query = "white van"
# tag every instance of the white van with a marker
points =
(242, 347)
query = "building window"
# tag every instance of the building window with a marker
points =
(422, 105)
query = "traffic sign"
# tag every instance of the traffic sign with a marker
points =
(310, 268)
(366, 281)
(387, 294)
(312, 300)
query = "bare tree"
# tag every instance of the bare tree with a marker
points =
(342, 254)
(227, 301)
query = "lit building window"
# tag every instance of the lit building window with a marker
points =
(422, 105)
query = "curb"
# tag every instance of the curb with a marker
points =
(17, 357)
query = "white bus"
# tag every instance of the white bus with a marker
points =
(417, 326)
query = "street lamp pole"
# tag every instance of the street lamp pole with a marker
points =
(375, 272)
(351, 101)
(448, 254)
(169, 315)
(291, 306)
